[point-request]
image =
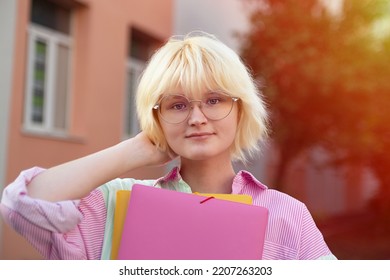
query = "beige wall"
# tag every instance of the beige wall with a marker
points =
(101, 32)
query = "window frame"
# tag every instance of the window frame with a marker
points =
(53, 40)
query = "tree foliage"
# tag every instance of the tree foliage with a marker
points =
(325, 77)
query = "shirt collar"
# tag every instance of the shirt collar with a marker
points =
(245, 179)
(172, 176)
(242, 180)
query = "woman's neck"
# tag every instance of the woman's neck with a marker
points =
(208, 176)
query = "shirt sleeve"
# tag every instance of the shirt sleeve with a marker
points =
(72, 229)
(312, 243)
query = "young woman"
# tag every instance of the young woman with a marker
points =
(196, 101)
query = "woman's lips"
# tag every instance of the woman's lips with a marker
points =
(199, 135)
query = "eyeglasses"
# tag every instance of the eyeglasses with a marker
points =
(176, 109)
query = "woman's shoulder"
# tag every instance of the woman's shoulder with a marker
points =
(281, 204)
(278, 197)
(277, 202)
(247, 183)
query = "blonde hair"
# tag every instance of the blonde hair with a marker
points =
(198, 62)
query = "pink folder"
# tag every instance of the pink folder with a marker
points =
(167, 225)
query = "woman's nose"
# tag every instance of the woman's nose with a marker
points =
(197, 117)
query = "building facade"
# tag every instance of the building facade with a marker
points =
(70, 70)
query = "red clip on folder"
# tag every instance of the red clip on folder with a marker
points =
(168, 225)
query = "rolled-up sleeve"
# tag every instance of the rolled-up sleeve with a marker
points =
(71, 229)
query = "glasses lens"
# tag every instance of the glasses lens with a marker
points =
(217, 106)
(174, 108)
(214, 105)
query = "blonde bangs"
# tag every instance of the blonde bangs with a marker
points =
(190, 71)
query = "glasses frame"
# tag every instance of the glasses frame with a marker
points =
(157, 107)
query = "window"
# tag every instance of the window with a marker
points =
(48, 68)
(141, 47)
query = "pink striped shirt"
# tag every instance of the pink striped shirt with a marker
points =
(81, 229)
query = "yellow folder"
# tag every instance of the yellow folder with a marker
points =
(122, 201)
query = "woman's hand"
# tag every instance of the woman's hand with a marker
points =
(147, 152)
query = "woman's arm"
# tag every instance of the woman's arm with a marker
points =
(77, 178)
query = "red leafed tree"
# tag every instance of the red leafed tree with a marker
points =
(325, 77)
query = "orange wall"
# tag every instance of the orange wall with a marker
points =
(101, 32)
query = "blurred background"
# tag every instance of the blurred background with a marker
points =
(69, 70)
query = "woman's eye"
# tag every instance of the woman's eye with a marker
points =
(213, 101)
(178, 106)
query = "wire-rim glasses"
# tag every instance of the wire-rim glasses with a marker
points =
(176, 108)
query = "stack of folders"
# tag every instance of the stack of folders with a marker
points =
(159, 224)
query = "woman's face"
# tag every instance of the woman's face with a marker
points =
(199, 137)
